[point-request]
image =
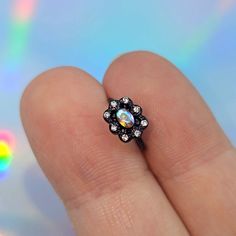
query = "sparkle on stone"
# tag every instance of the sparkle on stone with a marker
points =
(113, 127)
(137, 133)
(125, 100)
(107, 114)
(125, 137)
(125, 118)
(136, 109)
(113, 103)
(144, 123)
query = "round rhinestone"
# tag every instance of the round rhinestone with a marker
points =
(125, 137)
(106, 114)
(136, 109)
(125, 118)
(114, 128)
(144, 123)
(137, 133)
(125, 100)
(113, 104)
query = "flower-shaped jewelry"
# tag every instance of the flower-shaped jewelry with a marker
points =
(125, 119)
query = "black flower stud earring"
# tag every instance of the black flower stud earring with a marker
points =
(126, 120)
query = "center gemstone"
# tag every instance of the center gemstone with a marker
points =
(125, 118)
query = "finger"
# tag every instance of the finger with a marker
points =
(186, 149)
(105, 184)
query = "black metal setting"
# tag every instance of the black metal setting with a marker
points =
(139, 121)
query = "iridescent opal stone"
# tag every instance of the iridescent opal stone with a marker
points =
(125, 118)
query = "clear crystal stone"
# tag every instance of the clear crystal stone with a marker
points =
(125, 100)
(113, 103)
(136, 109)
(125, 137)
(106, 114)
(137, 133)
(144, 123)
(113, 127)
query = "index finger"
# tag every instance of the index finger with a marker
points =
(186, 149)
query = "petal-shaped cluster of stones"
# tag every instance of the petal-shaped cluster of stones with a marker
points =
(125, 119)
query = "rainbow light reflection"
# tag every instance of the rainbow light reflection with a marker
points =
(7, 144)
(5, 156)
(22, 13)
(201, 36)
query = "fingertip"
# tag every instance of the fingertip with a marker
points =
(39, 88)
(62, 115)
(138, 61)
(181, 123)
(58, 105)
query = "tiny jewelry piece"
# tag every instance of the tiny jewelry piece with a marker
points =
(126, 120)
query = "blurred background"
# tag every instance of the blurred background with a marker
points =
(199, 37)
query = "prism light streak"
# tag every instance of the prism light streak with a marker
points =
(20, 27)
(22, 13)
(7, 145)
(200, 37)
(5, 156)
(225, 5)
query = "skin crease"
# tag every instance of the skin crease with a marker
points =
(184, 182)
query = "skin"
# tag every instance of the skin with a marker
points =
(182, 184)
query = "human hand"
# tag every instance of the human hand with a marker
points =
(184, 183)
